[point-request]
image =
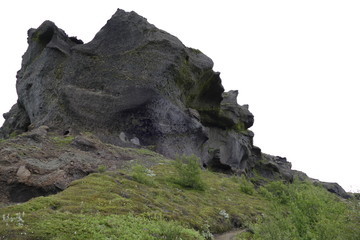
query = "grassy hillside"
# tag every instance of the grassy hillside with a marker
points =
(179, 201)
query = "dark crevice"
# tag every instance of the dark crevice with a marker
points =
(28, 86)
(216, 166)
(45, 37)
(21, 193)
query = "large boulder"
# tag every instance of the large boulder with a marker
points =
(132, 85)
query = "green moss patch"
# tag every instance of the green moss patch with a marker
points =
(148, 202)
(65, 140)
(101, 199)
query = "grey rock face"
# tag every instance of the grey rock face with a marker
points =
(333, 188)
(132, 85)
(240, 116)
(16, 121)
(274, 167)
(278, 168)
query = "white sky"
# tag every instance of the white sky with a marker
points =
(296, 63)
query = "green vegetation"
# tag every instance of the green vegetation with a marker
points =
(80, 226)
(189, 172)
(13, 134)
(183, 77)
(162, 202)
(142, 174)
(239, 127)
(194, 50)
(62, 141)
(101, 168)
(116, 195)
(304, 211)
(59, 71)
(246, 186)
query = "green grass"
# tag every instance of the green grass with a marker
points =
(65, 225)
(246, 186)
(147, 202)
(62, 141)
(304, 211)
(142, 174)
(103, 196)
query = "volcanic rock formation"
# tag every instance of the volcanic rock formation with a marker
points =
(133, 85)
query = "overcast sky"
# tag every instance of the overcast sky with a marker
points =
(296, 63)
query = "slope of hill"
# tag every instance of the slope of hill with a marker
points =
(157, 202)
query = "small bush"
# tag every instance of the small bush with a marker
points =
(246, 186)
(189, 172)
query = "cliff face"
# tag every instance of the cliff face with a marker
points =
(133, 86)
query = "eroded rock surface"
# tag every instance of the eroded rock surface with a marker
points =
(132, 85)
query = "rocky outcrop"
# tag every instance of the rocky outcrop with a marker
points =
(39, 163)
(275, 168)
(333, 188)
(133, 85)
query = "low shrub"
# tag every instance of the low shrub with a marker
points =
(189, 172)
